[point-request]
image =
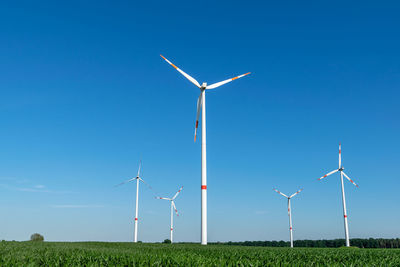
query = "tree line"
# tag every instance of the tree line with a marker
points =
(335, 243)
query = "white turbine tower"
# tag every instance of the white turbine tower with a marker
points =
(340, 170)
(173, 207)
(289, 213)
(137, 179)
(201, 103)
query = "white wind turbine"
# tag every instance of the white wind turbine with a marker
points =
(137, 178)
(173, 207)
(201, 103)
(289, 213)
(340, 170)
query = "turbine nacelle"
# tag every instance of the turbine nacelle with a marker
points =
(341, 169)
(203, 86)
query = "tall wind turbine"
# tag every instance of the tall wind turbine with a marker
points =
(137, 179)
(289, 213)
(173, 207)
(340, 170)
(201, 104)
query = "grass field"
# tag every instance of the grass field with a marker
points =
(126, 254)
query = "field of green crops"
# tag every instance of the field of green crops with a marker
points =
(125, 254)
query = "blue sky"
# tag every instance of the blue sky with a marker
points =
(84, 95)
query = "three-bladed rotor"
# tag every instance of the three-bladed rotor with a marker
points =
(340, 169)
(288, 197)
(202, 87)
(172, 200)
(138, 177)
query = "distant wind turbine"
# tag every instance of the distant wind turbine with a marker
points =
(137, 178)
(289, 213)
(340, 170)
(201, 104)
(173, 207)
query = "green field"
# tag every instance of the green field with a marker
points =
(128, 254)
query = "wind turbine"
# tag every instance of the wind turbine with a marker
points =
(173, 207)
(289, 213)
(201, 103)
(340, 170)
(137, 179)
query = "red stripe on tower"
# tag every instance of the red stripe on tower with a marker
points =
(290, 228)
(203, 187)
(135, 219)
(197, 124)
(345, 216)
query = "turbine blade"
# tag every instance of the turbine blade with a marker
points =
(348, 178)
(163, 198)
(145, 183)
(176, 210)
(279, 192)
(340, 155)
(326, 175)
(183, 73)
(215, 85)
(127, 181)
(140, 164)
(296, 193)
(177, 193)
(199, 104)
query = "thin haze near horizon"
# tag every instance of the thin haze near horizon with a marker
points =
(85, 95)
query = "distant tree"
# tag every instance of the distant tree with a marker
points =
(37, 237)
(167, 241)
(335, 243)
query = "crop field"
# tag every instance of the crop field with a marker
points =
(126, 254)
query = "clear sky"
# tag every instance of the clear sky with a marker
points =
(84, 95)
